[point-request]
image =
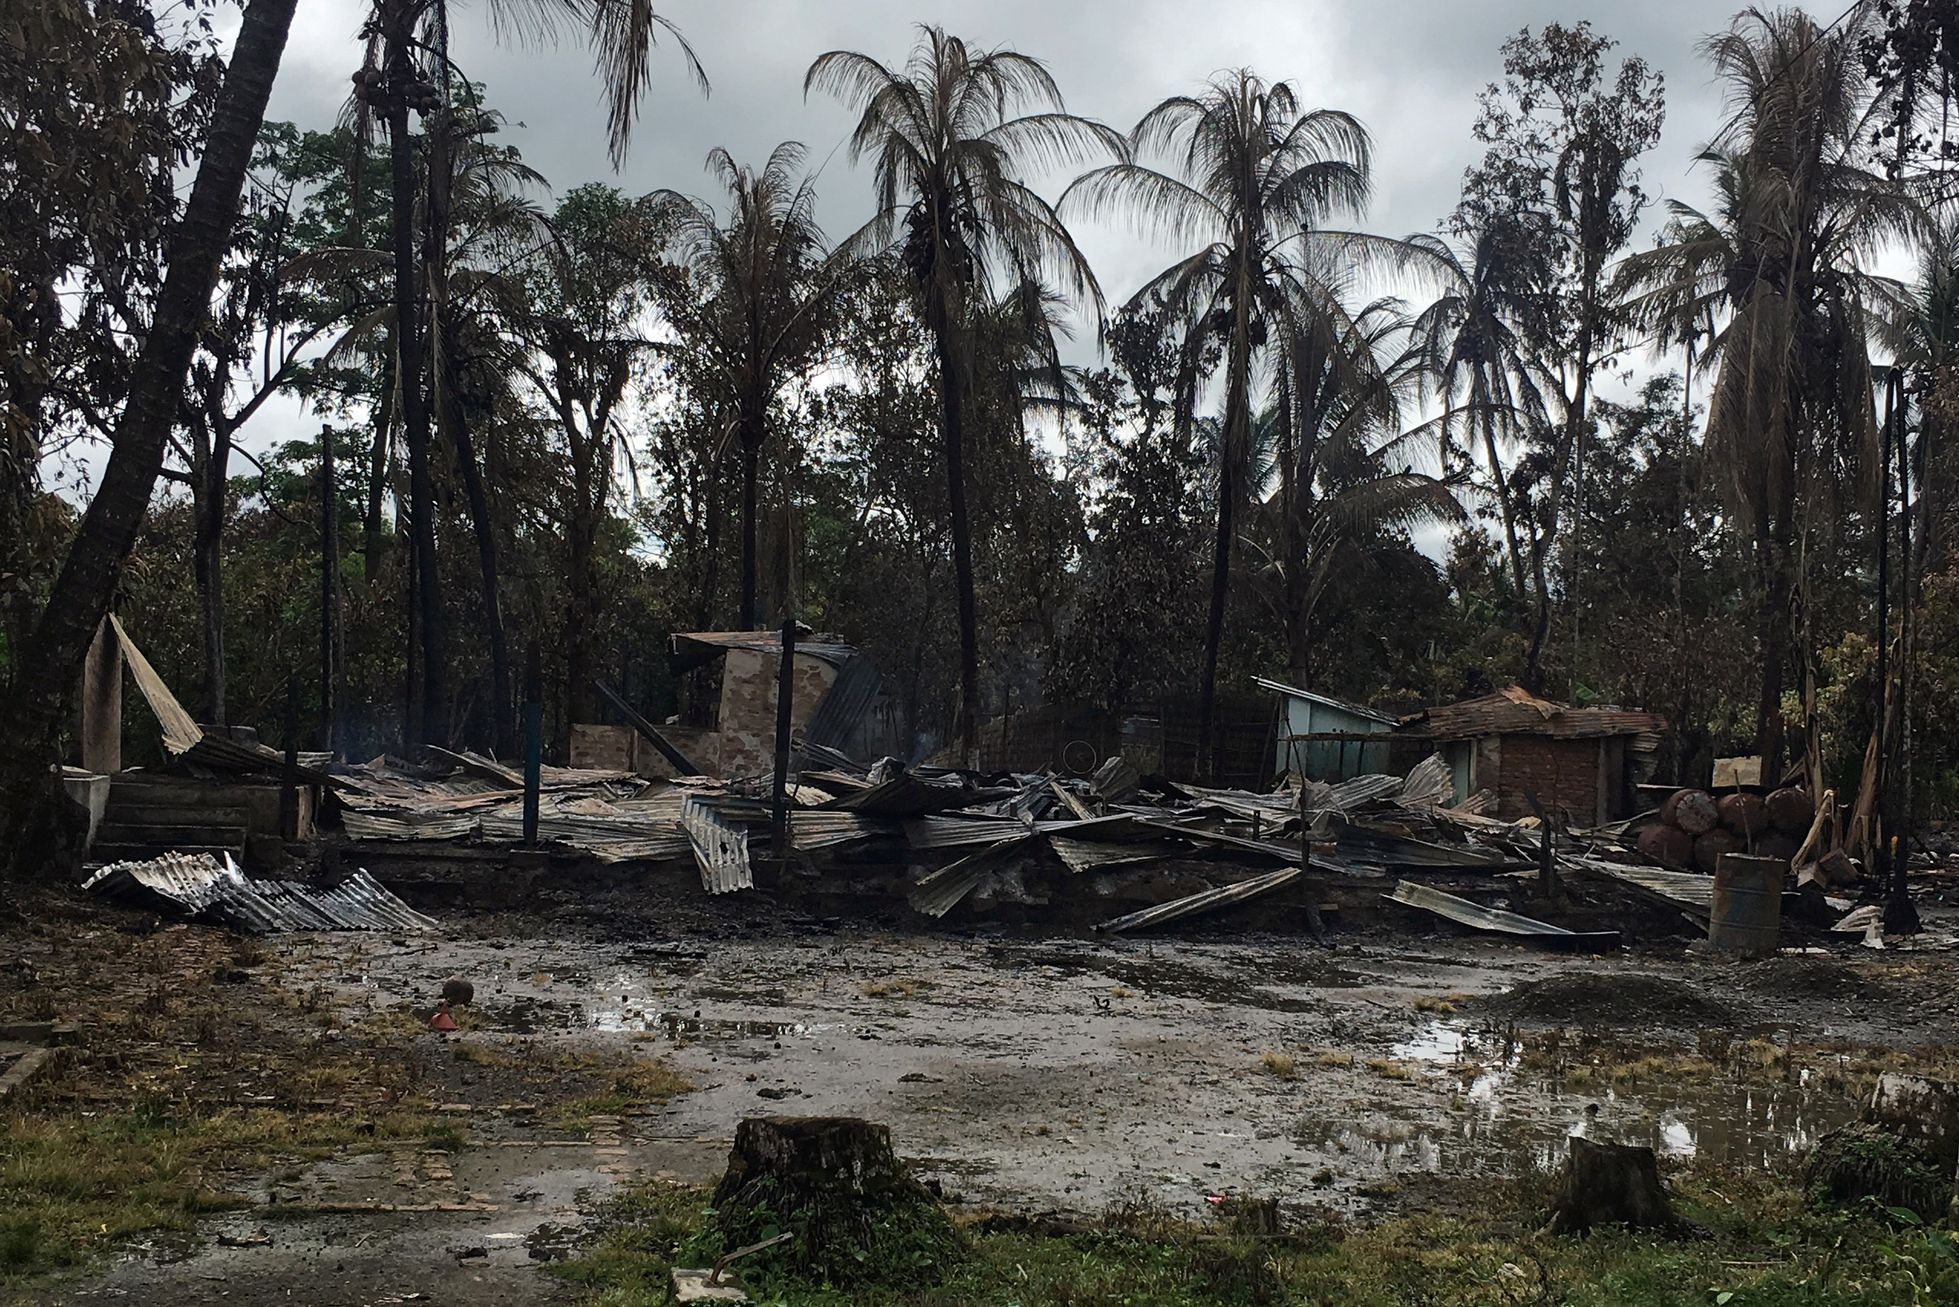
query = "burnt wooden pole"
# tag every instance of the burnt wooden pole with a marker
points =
(1900, 914)
(785, 697)
(533, 743)
(289, 790)
(329, 591)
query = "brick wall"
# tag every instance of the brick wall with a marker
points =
(1565, 774)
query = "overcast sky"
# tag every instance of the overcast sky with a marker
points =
(1409, 69)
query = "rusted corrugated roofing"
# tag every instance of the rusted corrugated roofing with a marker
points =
(1516, 711)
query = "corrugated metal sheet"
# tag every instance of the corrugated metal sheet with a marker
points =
(720, 847)
(1478, 917)
(850, 696)
(1090, 855)
(936, 894)
(1203, 901)
(202, 887)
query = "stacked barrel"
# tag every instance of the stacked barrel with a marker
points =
(1695, 828)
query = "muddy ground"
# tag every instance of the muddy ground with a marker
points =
(1035, 1074)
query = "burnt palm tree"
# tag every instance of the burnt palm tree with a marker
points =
(407, 69)
(952, 137)
(753, 306)
(1251, 179)
(1781, 266)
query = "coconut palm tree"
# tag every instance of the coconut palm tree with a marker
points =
(953, 137)
(1482, 370)
(1782, 264)
(1249, 178)
(406, 69)
(1334, 455)
(755, 302)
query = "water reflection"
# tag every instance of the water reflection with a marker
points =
(1506, 1115)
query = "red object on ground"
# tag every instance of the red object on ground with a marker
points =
(442, 1020)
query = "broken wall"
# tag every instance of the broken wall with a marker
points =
(746, 738)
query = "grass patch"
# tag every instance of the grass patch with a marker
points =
(1333, 1059)
(1391, 1068)
(1763, 1250)
(74, 1187)
(1280, 1065)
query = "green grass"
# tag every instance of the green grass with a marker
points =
(1762, 1250)
(75, 1187)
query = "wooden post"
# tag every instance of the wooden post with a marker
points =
(533, 744)
(329, 591)
(785, 697)
(289, 791)
(102, 703)
(1547, 865)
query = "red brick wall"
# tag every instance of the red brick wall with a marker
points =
(1563, 772)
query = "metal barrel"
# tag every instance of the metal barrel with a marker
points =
(1746, 916)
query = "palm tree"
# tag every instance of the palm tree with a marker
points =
(48, 668)
(1252, 176)
(1781, 264)
(1334, 456)
(479, 223)
(407, 68)
(754, 306)
(952, 137)
(1483, 371)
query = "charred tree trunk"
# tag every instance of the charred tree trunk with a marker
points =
(426, 698)
(1237, 439)
(752, 433)
(377, 472)
(952, 410)
(483, 527)
(1611, 1184)
(711, 532)
(1772, 635)
(50, 665)
(856, 1212)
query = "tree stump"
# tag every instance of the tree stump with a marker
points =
(1611, 1184)
(856, 1212)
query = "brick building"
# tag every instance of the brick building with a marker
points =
(1582, 762)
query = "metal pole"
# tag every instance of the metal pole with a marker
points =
(329, 588)
(533, 744)
(785, 692)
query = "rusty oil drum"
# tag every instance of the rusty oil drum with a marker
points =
(1746, 916)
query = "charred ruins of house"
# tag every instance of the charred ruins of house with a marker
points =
(1092, 833)
(1584, 764)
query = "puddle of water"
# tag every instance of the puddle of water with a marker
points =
(1505, 1116)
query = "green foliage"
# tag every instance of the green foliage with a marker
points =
(1761, 1251)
